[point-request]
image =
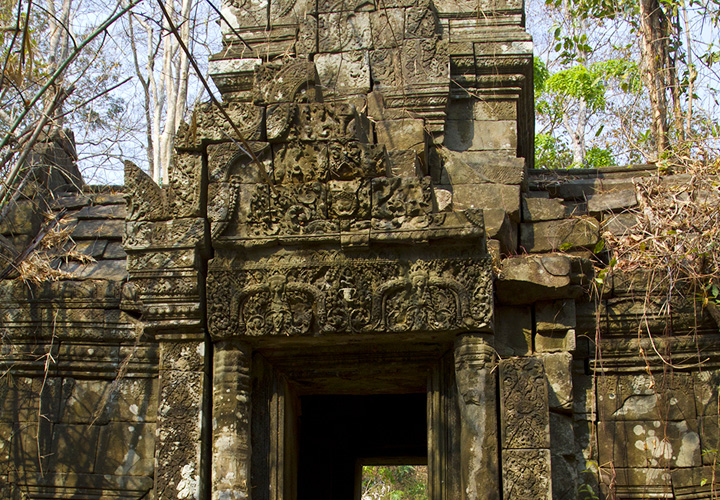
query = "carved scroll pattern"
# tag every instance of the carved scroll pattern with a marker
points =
(526, 475)
(352, 297)
(524, 399)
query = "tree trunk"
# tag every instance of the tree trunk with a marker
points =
(654, 45)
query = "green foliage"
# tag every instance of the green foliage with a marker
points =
(551, 152)
(596, 157)
(401, 482)
(578, 82)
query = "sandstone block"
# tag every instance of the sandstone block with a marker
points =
(482, 166)
(481, 135)
(619, 224)
(558, 369)
(616, 200)
(646, 397)
(555, 316)
(488, 196)
(344, 73)
(74, 448)
(513, 331)
(549, 236)
(541, 209)
(126, 449)
(646, 443)
(527, 279)
(555, 341)
(23, 218)
(402, 134)
(404, 163)
(499, 227)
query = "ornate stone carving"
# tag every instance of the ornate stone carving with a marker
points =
(180, 233)
(421, 302)
(298, 163)
(395, 197)
(350, 296)
(526, 475)
(524, 398)
(349, 200)
(146, 200)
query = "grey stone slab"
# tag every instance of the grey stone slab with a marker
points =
(481, 135)
(567, 234)
(101, 270)
(643, 443)
(619, 224)
(114, 250)
(100, 228)
(108, 199)
(513, 331)
(102, 212)
(126, 449)
(541, 209)
(616, 200)
(558, 369)
(527, 279)
(91, 248)
(488, 196)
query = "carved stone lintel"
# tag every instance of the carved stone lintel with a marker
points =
(231, 421)
(476, 384)
(351, 296)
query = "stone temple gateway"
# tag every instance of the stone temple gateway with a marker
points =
(364, 268)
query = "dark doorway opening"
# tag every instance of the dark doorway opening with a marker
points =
(338, 433)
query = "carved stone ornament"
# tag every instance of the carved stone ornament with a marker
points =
(351, 296)
(524, 399)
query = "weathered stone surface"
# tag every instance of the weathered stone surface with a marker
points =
(405, 163)
(474, 366)
(646, 397)
(99, 228)
(402, 134)
(553, 316)
(641, 444)
(542, 278)
(488, 196)
(476, 135)
(558, 370)
(619, 224)
(482, 167)
(513, 331)
(616, 200)
(549, 236)
(498, 226)
(540, 209)
(102, 270)
(126, 449)
(344, 73)
(23, 218)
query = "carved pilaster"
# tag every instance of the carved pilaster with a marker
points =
(231, 421)
(475, 379)
(178, 470)
(525, 426)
